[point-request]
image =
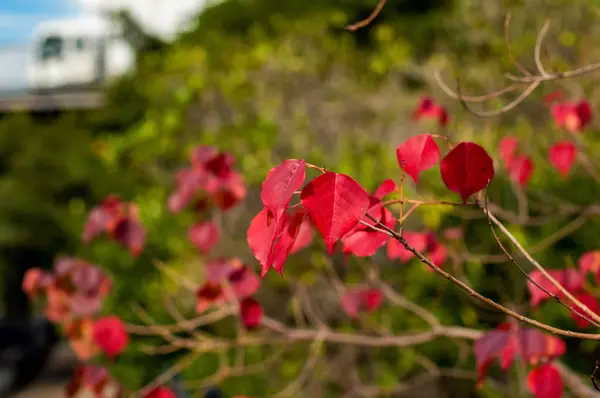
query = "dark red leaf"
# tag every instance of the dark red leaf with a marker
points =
(536, 346)
(487, 348)
(569, 278)
(201, 155)
(545, 382)
(204, 235)
(208, 294)
(562, 156)
(160, 392)
(251, 313)
(110, 335)
(427, 109)
(395, 249)
(467, 169)
(281, 183)
(508, 149)
(336, 203)
(521, 170)
(102, 217)
(417, 154)
(130, 233)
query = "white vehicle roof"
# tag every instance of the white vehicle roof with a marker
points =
(88, 25)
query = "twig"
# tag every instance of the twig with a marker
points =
(361, 24)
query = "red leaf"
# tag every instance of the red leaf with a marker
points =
(131, 234)
(545, 382)
(387, 187)
(417, 154)
(336, 203)
(357, 300)
(81, 338)
(438, 254)
(251, 313)
(573, 116)
(507, 340)
(428, 109)
(204, 235)
(467, 169)
(305, 235)
(562, 156)
(395, 249)
(102, 217)
(588, 300)
(521, 170)
(569, 278)
(590, 262)
(508, 149)
(244, 282)
(272, 236)
(552, 97)
(110, 335)
(161, 392)
(371, 299)
(363, 241)
(281, 183)
(207, 294)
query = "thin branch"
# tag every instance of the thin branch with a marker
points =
(361, 24)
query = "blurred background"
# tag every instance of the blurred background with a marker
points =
(109, 96)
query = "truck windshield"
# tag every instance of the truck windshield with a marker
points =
(51, 47)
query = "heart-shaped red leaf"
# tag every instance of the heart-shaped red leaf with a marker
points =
(281, 183)
(110, 335)
(467, 169)
(417, 154)
(335, 203)
(204, 235)
(251, 313)
(562, 156)
(521, 170)
(545, 382)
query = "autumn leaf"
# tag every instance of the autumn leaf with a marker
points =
(569, 278)
(572, 116)
(251, 313)
(508, 148)
(562, 156)
(281, 183)
(521, 170)
(545, 382)
(110, 335)
(467, 169)
(335, 203)
(428, 109)
(417, 154)
(204, 235)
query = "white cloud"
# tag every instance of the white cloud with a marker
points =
(162, 17)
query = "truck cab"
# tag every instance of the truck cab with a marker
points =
(75, 53)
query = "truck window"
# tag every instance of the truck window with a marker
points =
(52, 47)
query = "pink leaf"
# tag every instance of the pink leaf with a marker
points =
(281, 183)
(418, 154)
(545, 382)
(590, 262)
(573, 116)
(204, 235)
(336, 203)
(562, 156)
(430, 110)
(591, 302)
(467, 169)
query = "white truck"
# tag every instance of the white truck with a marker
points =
(76, 53)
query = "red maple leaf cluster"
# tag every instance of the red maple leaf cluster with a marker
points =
(573, 281)
(210, 180)
(535, 348)
(574, 117)
(117, 219)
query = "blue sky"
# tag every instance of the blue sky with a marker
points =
(18, 17)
